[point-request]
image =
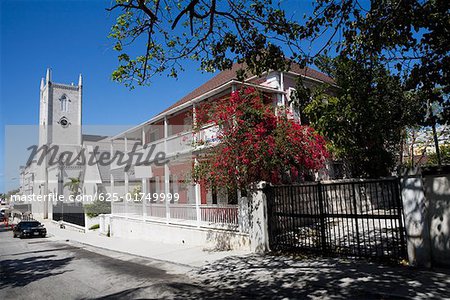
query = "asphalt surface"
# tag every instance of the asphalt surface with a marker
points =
(39, 268)
(43, 268)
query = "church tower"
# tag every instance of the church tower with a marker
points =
(60, 112)
(59, 125)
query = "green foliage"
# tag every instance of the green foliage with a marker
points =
(97, 207)
(411, 36)
(364, 117)
(444, 150)
(136, 192)
(214, 33)
(74, 185)
(8, 195)
(95, 226)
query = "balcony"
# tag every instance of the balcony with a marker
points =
(180, 143)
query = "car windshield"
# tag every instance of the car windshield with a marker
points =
(29, 224)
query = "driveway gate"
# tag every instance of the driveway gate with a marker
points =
(348, 218)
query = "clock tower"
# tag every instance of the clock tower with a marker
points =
(59, 125)
(60, 113)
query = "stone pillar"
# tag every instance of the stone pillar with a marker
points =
(415, 209)
(436, 181)
(259, 233)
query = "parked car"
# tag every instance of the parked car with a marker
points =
(29, 229)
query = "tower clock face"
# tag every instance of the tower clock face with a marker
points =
(64, 122)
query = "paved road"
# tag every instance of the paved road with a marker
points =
(43, 269)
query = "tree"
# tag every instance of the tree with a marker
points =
(255, 143)
(11, 193)
(410, 35)
(205, 31)
(74, 185)
(445, 156)
(97, 207)
(364, 119)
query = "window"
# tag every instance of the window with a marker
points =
(64, 102)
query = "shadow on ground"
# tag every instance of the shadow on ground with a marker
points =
(20, 272)
(278, 277)
(282, 277)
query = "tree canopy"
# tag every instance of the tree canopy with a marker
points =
(395, 53)
(364, 119)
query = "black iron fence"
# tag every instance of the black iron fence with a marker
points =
(70, 213)
(361, 218)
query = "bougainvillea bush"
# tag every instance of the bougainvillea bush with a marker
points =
(255, 142)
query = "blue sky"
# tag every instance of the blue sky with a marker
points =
(71, 38)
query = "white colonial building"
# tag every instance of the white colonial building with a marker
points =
(198, 215)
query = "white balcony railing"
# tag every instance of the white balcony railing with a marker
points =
(208, 135)
(219, 214)
(209, 214)
(179, 143)
(156, 210)
(183, 212)
(176, 144)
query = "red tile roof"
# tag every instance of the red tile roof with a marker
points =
(228, 75)
(309, 72)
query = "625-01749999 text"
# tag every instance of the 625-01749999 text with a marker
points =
(155, 197)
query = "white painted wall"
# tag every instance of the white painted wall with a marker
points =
(178, 234)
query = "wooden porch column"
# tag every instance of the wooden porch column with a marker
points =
(111, 177)
(144, 182)
(198, 196)
(166, 171)
(126, 179)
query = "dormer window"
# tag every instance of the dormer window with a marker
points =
(64, 102)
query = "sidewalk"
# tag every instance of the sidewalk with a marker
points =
(191, 256)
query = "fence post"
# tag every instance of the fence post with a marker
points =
(322, 218)
(259, 234)
(356, 219)
(415, 208)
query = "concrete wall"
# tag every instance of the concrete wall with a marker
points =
(426, 204)
(171, 233)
